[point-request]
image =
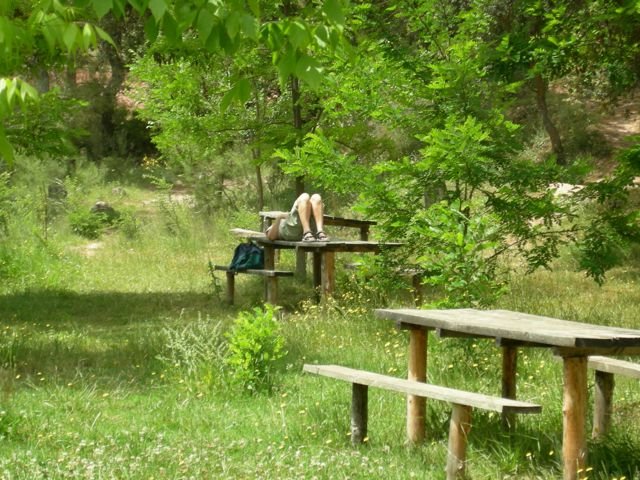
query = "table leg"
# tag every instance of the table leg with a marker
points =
(417, 406)
(509, 369)
(328, 273)
(602, 403)
(301, 264)
(359, 412)
(574, 446)
(317, 274)
(269, 264)
(459, 428)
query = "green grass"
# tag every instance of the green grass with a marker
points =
(91, 387)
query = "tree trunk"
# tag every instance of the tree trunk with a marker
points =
(297, 124)
(256, 151)
(259, 188)
(549, 126)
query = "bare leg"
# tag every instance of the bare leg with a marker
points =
(304, 211)
(318, 211)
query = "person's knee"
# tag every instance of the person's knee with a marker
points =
(316, 198)
(303, 198)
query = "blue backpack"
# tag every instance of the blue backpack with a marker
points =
(247, 256)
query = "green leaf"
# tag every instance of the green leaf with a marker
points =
(287, 63)
(70, 35)
(333, 10)
(298, 35)
(27, 91)
(244, 90)
(249, 26)
(228, 98)
(308, 70)
(88, 36)
(6, 151)
(11, 86)
(119, 7)
(232, 23)
(254, 5)
(102, 7)
(139, 5)
(170, 28)
(204, 24)
(104, 35)
(151, 29)
(158, 8)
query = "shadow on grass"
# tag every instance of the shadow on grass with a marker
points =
(59, 307)
(61, 336)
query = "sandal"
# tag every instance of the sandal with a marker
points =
(322, 237)
(308, 237)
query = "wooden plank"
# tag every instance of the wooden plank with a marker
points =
(614, 365)
(253, 234)
(595, 351)
(518, 326)
(472, 399)
(253, 271)
(328, 219)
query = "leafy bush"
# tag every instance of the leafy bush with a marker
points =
(88, 224)
(255, 346)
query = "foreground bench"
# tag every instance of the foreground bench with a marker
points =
(271, 281)
(462, 401)
(605, 368)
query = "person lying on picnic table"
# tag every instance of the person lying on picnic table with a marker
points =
(304, 221)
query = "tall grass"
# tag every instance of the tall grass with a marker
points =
(111, 356)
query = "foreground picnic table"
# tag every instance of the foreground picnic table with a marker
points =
(573, 341)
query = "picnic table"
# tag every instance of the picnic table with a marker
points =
(324, 253)
(572, 341)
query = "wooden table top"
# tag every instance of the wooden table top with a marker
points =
(328, 219)
(333, 245)
(523, 327)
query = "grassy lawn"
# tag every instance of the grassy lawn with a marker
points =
(110, 369)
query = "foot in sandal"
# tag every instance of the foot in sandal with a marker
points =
(322, 237)
(308, 237)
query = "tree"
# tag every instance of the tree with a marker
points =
(55, 26)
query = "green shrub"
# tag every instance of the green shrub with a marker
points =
(129, 224)
(88, 224)
(255, 346)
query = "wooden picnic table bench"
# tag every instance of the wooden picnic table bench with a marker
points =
(605, 368)
(271, 280)
(462, 404)
(323, 254)
(573, 341)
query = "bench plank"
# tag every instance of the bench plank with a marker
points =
(605, 368)
(255, 271)
(461, 397)
(271, 281)
(614, 365)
